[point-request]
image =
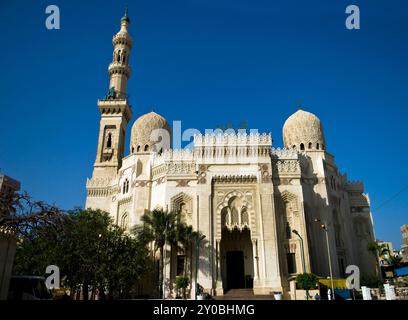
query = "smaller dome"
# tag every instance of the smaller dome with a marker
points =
(304, 131)
(146, 137)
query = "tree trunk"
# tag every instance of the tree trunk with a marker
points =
(161, 275)
(85, 291)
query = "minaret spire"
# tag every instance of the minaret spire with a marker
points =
(126, 17)
(119, 69)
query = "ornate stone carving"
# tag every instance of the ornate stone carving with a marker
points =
(303, 128)
(182, 182)
(235, 179)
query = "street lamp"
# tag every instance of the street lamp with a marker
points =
(163, 284)
(303, 257)
(324, 227)
(198, 240)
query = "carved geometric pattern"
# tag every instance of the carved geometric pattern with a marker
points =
(235, 211)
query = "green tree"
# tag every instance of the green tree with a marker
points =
(182, 283)
(306, 281)
(394, 261)
(379, 251)
(89, 250)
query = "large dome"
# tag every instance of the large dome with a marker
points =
(303, 131)
(146, 137)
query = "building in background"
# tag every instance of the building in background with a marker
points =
(245, 196)
(8, 187)
(404, 246)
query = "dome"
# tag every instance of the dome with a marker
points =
(303, 130)
(144, 136)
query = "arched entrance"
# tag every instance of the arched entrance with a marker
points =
(237, 267)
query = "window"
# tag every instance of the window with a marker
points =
(310, 145)
(146, 148)
(302, 146)
(133, 149)
(125, 188)
(291, 260)
(317, 146)
(109, 141)
(138, 148)
(180, 264)
(288, 231)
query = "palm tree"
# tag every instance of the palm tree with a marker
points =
(187, 238)
(395, 261)
(158, 227)
(379, 251)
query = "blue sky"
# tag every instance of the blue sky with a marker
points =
(207, 63)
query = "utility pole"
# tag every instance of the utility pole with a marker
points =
(324, 227)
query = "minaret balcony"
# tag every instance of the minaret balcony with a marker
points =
(118, 67)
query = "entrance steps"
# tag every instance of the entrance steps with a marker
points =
(243, 294)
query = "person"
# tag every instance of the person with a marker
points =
(329, 294)
(317, 296)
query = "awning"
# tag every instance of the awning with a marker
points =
(337, 283)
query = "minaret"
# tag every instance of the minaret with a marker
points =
(114, 107)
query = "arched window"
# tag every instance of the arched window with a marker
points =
(310, 145)
(109, 141)
(294, 147)
(133, 149)
(317, 146)
(118, 56)
(125, 188)
(146, 148)
(138, 148)
(302, 146)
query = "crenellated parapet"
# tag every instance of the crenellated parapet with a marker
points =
(240, 139)
(284, 154)
(232, 148)
(354, 186)
(174, 162)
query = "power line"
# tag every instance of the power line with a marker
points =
(391, 198)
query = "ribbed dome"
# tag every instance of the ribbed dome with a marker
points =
(143, 134)
(303, 130)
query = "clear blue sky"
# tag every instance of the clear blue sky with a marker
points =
(208, 63)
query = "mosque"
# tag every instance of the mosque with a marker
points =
(261, 209)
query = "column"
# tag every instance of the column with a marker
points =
(255, 255)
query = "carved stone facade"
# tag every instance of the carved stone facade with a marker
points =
(246, 197)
